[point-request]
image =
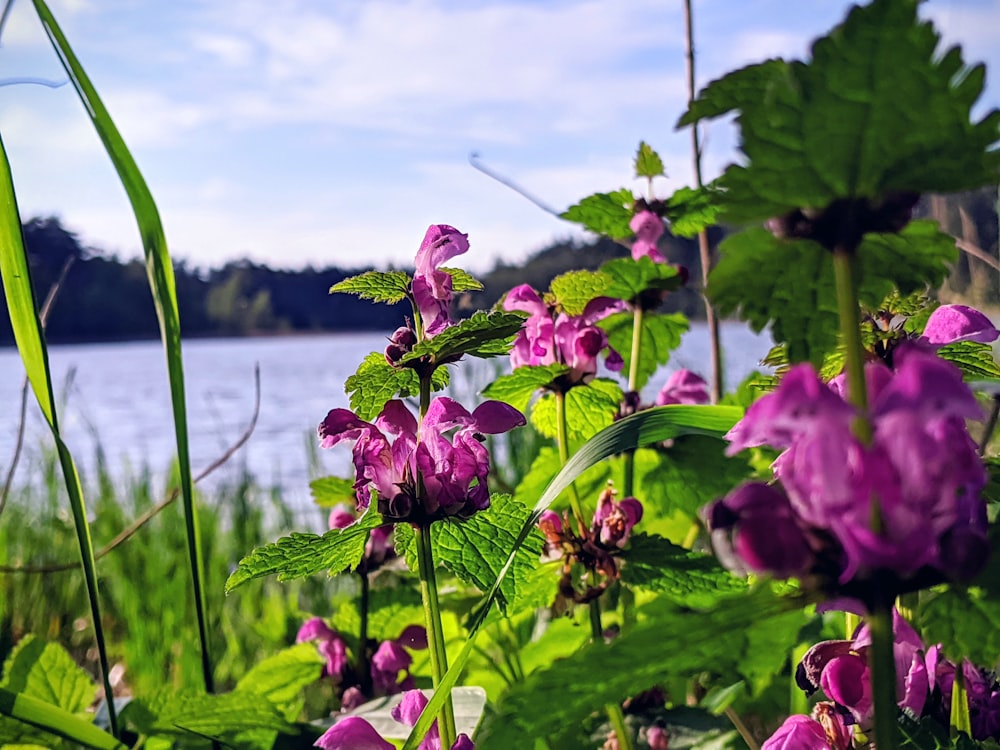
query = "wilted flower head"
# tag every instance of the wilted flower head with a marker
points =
(452, 470)
(431, 286)
(648, 228)
(614, 519)
(573, 340)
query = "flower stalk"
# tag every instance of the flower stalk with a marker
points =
(883, 671)
(562, 439)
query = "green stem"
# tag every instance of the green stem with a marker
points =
(737, 721)
(562, 439)
(364, 667)
(961, 720)
(435, 633)
(883, 670)
(628, 484)
(615, 715)
(850, 331)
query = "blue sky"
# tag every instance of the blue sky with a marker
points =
(303, 131)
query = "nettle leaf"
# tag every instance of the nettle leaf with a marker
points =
(668, 642)
(377, 382)
(462, 281)
(589, 409)
(965, 621)
(519, 386)
(574, 289)
(477, 548)
(45, 671)
(878, 109)
(689, 474)
(692, 579)
(604, 213)
(379, 286)
(920, 255)
(661, 334)
(299, 555)
(974, 359)
(485, 334)
(280, 678)
(647, 162)
(630, 278)
(692, 210)
(180, 712)
(330, 491)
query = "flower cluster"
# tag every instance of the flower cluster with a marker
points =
(389, 663)
(924, 681)
(422, 474)
(594, 549)
(573, 340)
(907, 502)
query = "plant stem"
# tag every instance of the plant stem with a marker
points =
(628, 483)
(562, 439)
(364, 668)
(991, 425)
(850, 331)
(742, 728)
(883, 670)
(960, 719)
(432, 619)
(615, 715)
(704, 251)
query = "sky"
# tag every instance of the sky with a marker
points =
(296, 132)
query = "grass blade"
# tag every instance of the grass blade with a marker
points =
(58, 721)
(27, 329)
(161, 281)
(643, 428)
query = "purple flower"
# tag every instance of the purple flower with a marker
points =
(648, 228)
(949, 324)
(352, 733)
(431, 286)
(798, 733)
(391, 659)
(683, 387)
(614, 519)
(452, 471)
(408, 712)
(575, 341)
(330, 645)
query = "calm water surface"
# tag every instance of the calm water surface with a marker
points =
(116, 396)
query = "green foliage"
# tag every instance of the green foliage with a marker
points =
(692, 210)
(604, 213)
(45, 671)
(661, 334)
(299, 555)
(330, 491)
(975, 360)
(281, 677)
(28, 715)
(485, 334)
(574, 289)
(476, 549)
(519, 386)
(965, 621)
(630, 278)
(379, 286)
(877, 110)
(462, 281)
(377, 382)
(589, 409)
(691, 579)
(647, 162)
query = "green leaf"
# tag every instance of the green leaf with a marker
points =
(692, 579)
(589, 409)
(476, 549)
(604, 213)
(630, 278)
(280, 678)
(922, 734)
(330, 491)
(54, 720)
(692, 210)
(908, 261)
(389, 610)
(965, 621)
(661, 334)
(485, 334)
(377, 382)
(574, 289)
(45, 671)
(877, 110)
(519, 386)
(647, 162)
(299, 555)
(379, 286)
(462, 281)
(975, 360)
(180, 712)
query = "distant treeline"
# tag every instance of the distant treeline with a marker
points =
(103, 299)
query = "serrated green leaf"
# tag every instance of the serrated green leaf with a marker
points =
(692, 579)
(647, 162)
(604, 213)
(45, 671)
(518, 387)
(918, 256)
(974, 359)
(280, 678)
(736, 90)
(661, 334)
(574, 289)
(965, 621)
(485, 334)
(330, 491)
(692, 210)
(379, 286)
(477, 548)
(180, 712)
(630, 278)
(299, 555)
(589, 409)
(462, 281)
(377, 382)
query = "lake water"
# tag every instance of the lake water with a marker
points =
(116, 396)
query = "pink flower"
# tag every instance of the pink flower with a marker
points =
(648, 228)
(453, 471)
(331, 645)
(391, 659)
(798, 733)
(352, 733)
(683, 387)
(615, 519)
(431, 287)
(949, 324)
(408, 712)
